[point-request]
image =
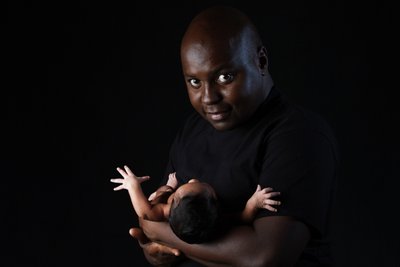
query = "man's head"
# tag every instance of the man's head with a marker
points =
(194, 212)
(225, 67)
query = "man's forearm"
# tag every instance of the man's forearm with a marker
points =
(227, 251)
(270, 241)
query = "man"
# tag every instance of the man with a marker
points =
(245, 133)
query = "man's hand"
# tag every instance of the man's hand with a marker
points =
(155, 253)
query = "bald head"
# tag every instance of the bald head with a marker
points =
(221, 24)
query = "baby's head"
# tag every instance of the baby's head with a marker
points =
(194, 212)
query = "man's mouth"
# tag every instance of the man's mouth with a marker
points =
(218, 115)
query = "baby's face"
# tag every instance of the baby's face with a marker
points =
(194, 187)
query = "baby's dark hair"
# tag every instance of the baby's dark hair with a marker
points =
(194, 218)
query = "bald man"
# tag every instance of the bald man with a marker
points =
(243, 133)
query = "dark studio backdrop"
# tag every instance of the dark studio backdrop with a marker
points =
(89, 86)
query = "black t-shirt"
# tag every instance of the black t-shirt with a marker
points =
(282, 146)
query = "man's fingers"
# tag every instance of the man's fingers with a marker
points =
(168, 250)
(145, 242)
(139, 235)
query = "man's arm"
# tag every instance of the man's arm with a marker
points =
(270, 241)
(157, 254)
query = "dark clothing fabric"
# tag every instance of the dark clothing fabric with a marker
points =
(282, 146)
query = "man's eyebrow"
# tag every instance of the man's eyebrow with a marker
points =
(223, 68)
(217, 70)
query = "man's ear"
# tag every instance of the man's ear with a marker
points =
(262, 60)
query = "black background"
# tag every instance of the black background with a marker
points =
(89, 86)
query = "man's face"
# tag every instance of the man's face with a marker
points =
(223, 80)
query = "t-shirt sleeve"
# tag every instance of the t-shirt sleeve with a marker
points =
(301, 165)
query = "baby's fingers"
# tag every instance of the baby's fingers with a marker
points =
(117, 181)
(119, 187)
(267, 190)
(267, 204)
(122, 172)
(270, 208)
(143, 178)
(152, 196)
(271, 202)
(271, 194)
(128, 171)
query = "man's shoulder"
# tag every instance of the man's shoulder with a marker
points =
(307, 126)
(290, 115)
(315, 122)
(297, 117)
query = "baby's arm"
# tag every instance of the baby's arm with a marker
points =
(170, 186)
(142, 206)
(260, 199)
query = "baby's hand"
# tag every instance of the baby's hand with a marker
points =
(262, 198)
(172, 181)
(156, 196)
(129, 179)
(171, 185)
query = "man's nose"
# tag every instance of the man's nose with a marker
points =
(211, 94)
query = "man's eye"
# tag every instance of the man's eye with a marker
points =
(225, 78)
(194, 83)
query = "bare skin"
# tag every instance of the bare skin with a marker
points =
(261, 198)
(140, 203)
(225, 67)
